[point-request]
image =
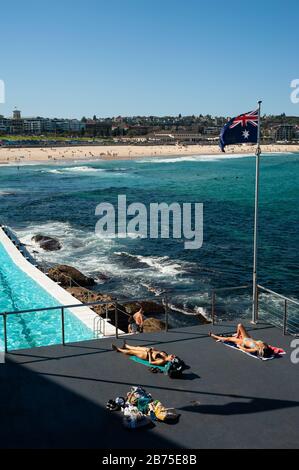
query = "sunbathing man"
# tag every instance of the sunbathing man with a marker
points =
(153, 356)
(246, 343)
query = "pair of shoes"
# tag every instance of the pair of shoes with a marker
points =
(112, 405)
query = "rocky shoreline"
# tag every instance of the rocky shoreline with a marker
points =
(80, 287)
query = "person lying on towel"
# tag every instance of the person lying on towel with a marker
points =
(153, 356)
(245, 342)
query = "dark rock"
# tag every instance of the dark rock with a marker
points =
(87, 296)
(151, 325)
(68, 276)
(77, 244)
(101, 276)
(149, 307)
(47, 243)
(123, 311)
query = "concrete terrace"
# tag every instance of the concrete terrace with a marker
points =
(54, 397)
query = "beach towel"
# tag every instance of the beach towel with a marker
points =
(163, 369)
(276, 351)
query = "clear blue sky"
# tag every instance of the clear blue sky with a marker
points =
(71, 58)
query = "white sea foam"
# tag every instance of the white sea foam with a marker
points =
(154, 289)
(274, 154)
(83, 169)
(75, 169)
(83, 250)
(208, 158)
(52, 171)
(197, 310)
(20, 164)
(7, 192)
(195, 158)
(162, 264)
(91, 255)
(201, 311)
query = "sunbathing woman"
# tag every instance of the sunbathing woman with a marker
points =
(153, 356)
(246, 343)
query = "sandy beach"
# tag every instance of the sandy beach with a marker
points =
(125, 152)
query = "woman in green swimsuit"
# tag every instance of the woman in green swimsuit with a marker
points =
(246, 343)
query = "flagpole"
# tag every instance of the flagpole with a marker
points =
(256, 207)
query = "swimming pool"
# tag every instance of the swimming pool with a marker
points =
(18, 291)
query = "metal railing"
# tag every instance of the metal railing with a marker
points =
(20, 246)
(213, 298)
(287, 322)
(99, 323)
(116, 303)
(115, 306)
(289, 325)
(45, 267)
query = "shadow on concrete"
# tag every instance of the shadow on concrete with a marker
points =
(254, 405)
(39, 413)
(55, 397)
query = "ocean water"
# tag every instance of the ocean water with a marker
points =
(60, 200)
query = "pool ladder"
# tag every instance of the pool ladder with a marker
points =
(99, 324)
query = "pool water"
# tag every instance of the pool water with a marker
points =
(18, 291)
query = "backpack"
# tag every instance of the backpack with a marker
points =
(176, 368)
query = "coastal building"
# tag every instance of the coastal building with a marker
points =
(139, 130)
(76, 126)
(4, 125)
(285, 132)
(212, 130)
(40, 125)
(181, 136)
(62, 125)
(97, 128)
(33, 125)
(16, 114)
(49, 126)
(16, 123)
(166, 129)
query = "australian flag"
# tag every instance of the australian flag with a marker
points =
(242, 129)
